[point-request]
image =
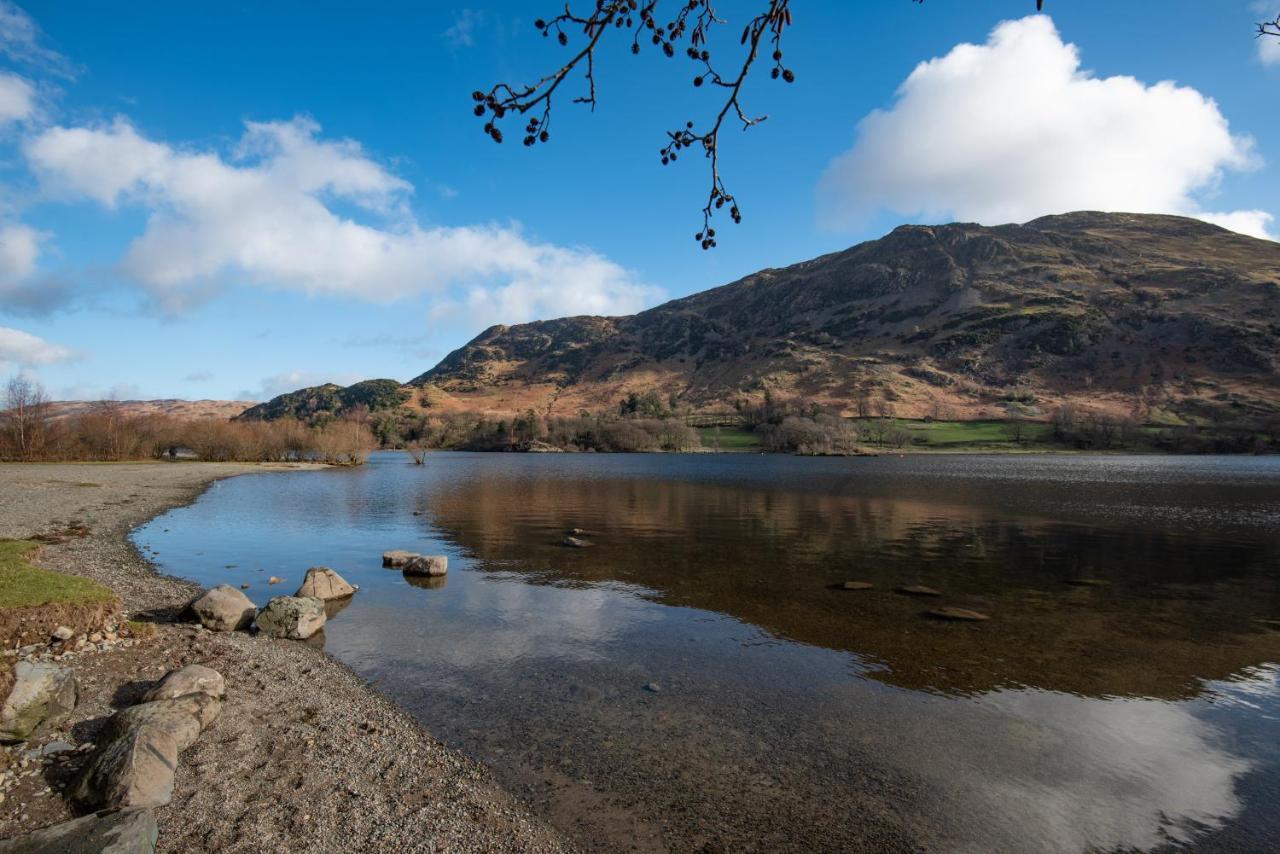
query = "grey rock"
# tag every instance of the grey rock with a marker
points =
(192, 679)
(130, 831)
(183, 717)
(397, 558)
(134, 770)
(429, 565)
(43, 696)
(653, 687)
(223, 609)
(291, 617)
(53, 748)
(323, 583)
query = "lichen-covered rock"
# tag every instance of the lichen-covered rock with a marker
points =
(43, 696)
(432, 565)
(192, 679)
(182, 717)
(293, 617)
(397, 558)
(131, 831)
(323, 583)
(223, 609)
(134, 770)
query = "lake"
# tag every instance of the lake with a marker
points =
(1123, 694)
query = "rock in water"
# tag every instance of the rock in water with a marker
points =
(432, 565)
(130, 831)
(223, 609)
(134, 770)
(291, 617)
(574, 543)
(192, 679)
(919, 590)
(397, 558)
(43, 696)
(960, 614)
(857, 585)
(323, 583)
(183, 717)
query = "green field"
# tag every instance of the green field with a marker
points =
(953, 434)
(729, 439)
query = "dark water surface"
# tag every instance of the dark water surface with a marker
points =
(1140, 710)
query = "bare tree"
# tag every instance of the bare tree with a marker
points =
(688, 30)
(26, 411)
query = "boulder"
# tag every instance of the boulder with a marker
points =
(183, 717)
(223, 609)
(43, 696)
(291, 617)
(323, 583)
(192, 679)
(134, 770)
(130, 831)
(397, 558)
(430, 565)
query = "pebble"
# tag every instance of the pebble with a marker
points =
(919, 590)
(857, 585)
(653, 687)
(960, 614)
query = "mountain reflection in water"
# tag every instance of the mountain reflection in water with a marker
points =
(1135, 711)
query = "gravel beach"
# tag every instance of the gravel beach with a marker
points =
(304, 756)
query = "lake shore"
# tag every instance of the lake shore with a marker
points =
(304, 754)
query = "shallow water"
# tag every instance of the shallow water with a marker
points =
(1124, 694)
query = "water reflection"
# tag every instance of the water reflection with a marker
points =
(1135, 713)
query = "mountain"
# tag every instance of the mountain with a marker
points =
(220, 409)
(1171, 316)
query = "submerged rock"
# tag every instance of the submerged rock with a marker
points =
(432, 565)
(192, 679)
(397, 558)
(293, 617)
(223, 609)
(426, 582)
(43, 695)
(959, 614)
(918, 590)
(574, 543)
(323, 583)
(129, 831)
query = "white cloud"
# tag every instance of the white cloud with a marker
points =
(462, 32)
(290, 210)
(1269, 50)
(26, 350)
(1014, 129)
(19, 251)
(20, 41)
(1252, 223)
(17, 98)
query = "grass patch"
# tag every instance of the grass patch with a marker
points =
(729, 439)
(138, 629)
(23, 585)
(977, 432)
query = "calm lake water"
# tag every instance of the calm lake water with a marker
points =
(1124, 694)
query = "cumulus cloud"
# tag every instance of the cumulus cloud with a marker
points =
(290, 210)
(1014, 128)
(17, 98)
(24, 350)
(23, 290)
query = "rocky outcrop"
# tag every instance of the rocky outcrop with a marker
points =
(129, 831)
(43, 695)
(192, 679)
(323, 583)
(427, 565)
(223, 609)
(292, 617)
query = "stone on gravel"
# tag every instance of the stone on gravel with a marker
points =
(291, 617)
(223, 609)
(131, 831)
(134, 770)
(919, 590)
(397, 558)
(323, 583)
(63, 633)
(432, 565)
(43, 696)
(958, 614)
(192, 679)
(857, 585)
(183, 717)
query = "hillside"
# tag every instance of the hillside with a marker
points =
(1172, 317)
(219, 409)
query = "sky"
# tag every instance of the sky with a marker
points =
(234, 200)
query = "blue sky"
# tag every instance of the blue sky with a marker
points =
(222, 200)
